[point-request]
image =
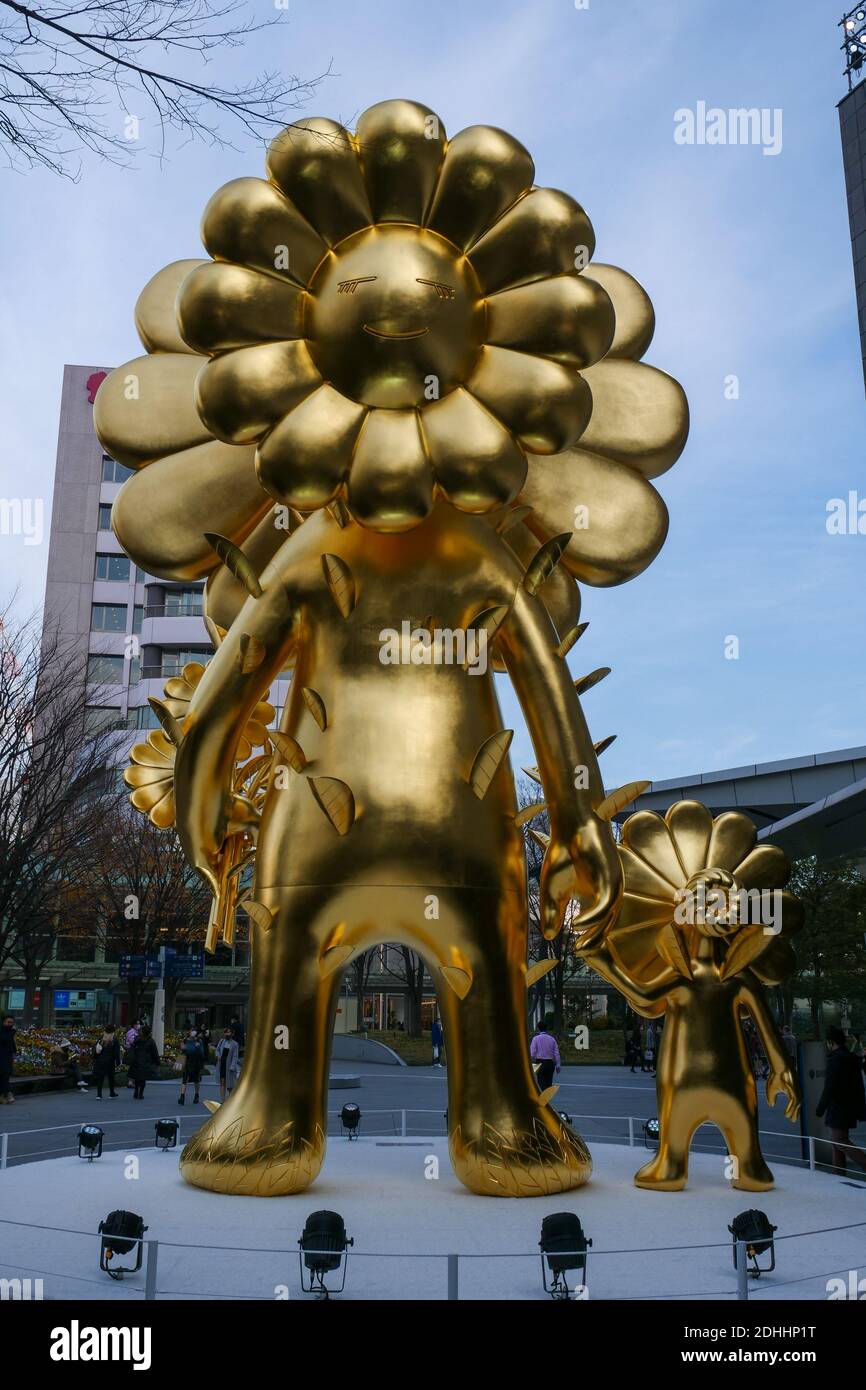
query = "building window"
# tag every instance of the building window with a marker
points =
(183, 603)
(139, 575)
(108, 617)
(98, 718)
(145, 718)
(112, 567)
(105, 670)
(114, 472)
(137, 617)
(173, 662)
(134, 670)
(104, 516)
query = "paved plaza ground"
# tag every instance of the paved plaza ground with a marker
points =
(599, 1100)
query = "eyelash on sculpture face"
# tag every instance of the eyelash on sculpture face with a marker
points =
(349, 286)
(442, 291)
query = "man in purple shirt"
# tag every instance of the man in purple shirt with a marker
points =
(544, 1050)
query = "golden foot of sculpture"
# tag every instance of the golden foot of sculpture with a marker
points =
(537, 1159)
(758, 1179)
(242, 1152)
(661, 1174)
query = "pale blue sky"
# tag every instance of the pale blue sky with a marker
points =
(747, 259)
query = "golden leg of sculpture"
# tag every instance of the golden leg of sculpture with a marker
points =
(268, 1139)
(503, 1141)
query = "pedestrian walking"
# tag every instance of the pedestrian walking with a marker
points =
(649, 1049)
(227, 1057)
(236, 1028)
(437, 1038)
(545, 1051)
(144, 1062)
(7, 1059)
(843, 1100)
(204, 1038)
(106, 1060)
(193, 1066)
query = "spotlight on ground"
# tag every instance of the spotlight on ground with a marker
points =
(166, 1134)
(350, 1120)
(755, 1228)
(90, 1142)
(121, 1231)
(323, 1249)
(563, 1248)
(651, 1132)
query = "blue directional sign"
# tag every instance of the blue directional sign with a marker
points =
(139, 967)
(190, 967)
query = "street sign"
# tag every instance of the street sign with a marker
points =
(190, 967)
(139, 967)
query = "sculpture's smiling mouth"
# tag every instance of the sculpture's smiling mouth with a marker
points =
(380, 333)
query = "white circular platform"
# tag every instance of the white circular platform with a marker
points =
(391, 1207)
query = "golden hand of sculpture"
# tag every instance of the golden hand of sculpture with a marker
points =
(704, 925)
(389, 395)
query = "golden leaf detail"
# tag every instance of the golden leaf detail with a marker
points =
(167, 720)
(747, 945)
(336, 800)
(543, 564)
(586, 683)
(541, 968)
(573, 635)
(602, 744)
(488, 760)
(251, 654)
(316, 705)
(290, 749)
(236, 561)
(618, 800)
(341, 583)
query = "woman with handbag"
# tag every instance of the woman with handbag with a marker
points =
(106, 1059)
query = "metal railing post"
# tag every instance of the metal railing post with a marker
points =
(403, 1123)
(4, 1149)
(742, 1271)
(453, 1262)
(630, 1132)
(812, 1152)
(150, 1269)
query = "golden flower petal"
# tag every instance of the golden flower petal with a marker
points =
(618, 521)
(732, 839)
(250, 221)
(163, 813)
(635, 316)
(390, 485)
(691, 825)
(144, 776)
(565, 317)
(315, 164)
(476, 461)
(161, 513)
(545, 233)
(152, 753)
(304, 459)
(264, 712)
(776, 963)
(648, 835)
(222, 306)
(642, 879)
(256, 734)
(545, 404)
(766, 867)
(155, 317)
(485, 170)
(400, 147)
(640, 416)
(146, 408)
(242, 394)
(193, 672)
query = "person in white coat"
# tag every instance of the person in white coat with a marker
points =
(227, 1060)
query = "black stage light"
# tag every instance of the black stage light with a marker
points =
(651, 1132)
(90, 1142)
(121, 1232)
(755, 1228)
(166, 1134)
(564, 1115)
(563, 1245)
(350, 1120)
(323, 1249)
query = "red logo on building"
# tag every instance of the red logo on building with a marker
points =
(94, 381)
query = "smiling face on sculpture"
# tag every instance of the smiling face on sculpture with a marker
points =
(396, 317)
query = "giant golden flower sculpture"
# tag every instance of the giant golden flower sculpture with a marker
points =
(388, 318)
